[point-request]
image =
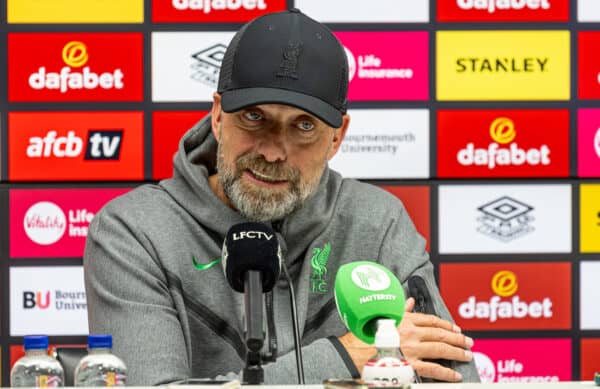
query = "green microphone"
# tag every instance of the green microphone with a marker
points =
(365, 292)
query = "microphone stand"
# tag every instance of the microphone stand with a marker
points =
(297, 345)
(253, 373)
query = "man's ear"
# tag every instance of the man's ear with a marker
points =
(216, 115)
(338, 136)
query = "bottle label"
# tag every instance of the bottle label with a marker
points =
(114, 379)
(388, 372)
(48, 381)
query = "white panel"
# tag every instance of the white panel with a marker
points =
(185, 65)
(47, 300)
(385, 143)
(356, 11)
(589, 295)
(588, 11)
(505, 219)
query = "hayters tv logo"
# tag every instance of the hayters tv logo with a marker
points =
(523, 360)
(75, 67)
(503, 65)
(220, 11)
(503, 10)
(588, 142)
(378, 73)
(75, 145)
(496, 296)
(511, 143)
(53, 222)
(49, 300)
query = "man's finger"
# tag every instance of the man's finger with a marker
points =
(425, 320)
(432, 334)
(436, 371)
(435, 350)
(409, 305)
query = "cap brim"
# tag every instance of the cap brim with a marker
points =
(235, 100)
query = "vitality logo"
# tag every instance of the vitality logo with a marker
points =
(75, 75)
(502, 131)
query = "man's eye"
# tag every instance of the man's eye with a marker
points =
(251, 115)
(305, 125)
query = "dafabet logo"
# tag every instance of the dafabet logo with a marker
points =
(53, 222)
(503, 10)
(218, 11)
(588, 64)
(503, 143)
(523, 360)
(75, 145)
(505, 296)
(503, 65)
(75, 67)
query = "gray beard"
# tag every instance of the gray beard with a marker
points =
(262, 204)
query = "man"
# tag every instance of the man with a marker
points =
(152, 261)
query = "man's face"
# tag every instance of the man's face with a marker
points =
(271, 158)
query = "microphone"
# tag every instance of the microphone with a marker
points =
(252, 262)
(364, 293)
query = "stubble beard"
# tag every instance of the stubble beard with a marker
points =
(260, 203)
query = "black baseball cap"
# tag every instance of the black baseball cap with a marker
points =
(287, 58)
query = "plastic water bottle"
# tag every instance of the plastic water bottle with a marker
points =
(388, 367)
(100, 367)
(36, 368)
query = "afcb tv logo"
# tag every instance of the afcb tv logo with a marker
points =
(99, 145)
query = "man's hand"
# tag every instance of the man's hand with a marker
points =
(359, 351)
(430, 337)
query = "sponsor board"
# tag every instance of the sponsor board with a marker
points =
(503, 65)
(75, 11)
(75, 146)
(589, 218)
(186, 65)
(53, 222)
(167, 129)
(212, 11)
(385, 143)
(588, 11)
(494, 219)
(589, 295)
(75, 67)
(47, 300)
(387, 65)
(508, 296)
(503, 143)
(588, 163)
(588, 64)
(590, 355)
(383, 11)
(523, 360)
(503, 10)
(416, 200)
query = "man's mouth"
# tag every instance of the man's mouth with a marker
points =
(264, 178)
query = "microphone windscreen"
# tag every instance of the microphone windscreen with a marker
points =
(251, 246)
(365, 292)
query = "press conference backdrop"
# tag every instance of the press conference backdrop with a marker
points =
(483, 116)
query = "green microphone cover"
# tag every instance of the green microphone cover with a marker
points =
(365, 292)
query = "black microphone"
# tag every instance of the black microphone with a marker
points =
(252, 263)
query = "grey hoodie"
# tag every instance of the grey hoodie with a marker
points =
(150, 283)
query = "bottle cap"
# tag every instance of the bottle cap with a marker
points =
(387, 334)
(99, 341)
(35, 342)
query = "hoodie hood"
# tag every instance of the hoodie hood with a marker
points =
(195, 161)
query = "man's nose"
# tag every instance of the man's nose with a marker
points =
(272, 146)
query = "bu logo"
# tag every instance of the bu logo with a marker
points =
(289, 65)
(37, 299)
